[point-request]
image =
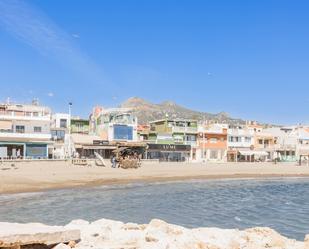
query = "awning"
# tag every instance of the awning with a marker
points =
(98, 147)
(5, 125)
(253, 152)
(260, 153)
(246, 152)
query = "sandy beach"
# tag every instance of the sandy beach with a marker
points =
(39, 176)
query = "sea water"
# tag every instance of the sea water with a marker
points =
(282, 204)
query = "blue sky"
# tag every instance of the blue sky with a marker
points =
(247, 58)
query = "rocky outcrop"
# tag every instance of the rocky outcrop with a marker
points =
(161, 235)
(109, 234)
(14, 235)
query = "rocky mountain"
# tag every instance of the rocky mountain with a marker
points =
(146, 111)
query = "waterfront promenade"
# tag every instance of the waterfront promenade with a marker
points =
(45, 175)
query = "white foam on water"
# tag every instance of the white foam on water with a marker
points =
(17, 196)
(237, 218)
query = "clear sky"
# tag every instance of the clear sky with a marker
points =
(247, 58)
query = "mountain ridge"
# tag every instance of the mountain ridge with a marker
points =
(147, 111)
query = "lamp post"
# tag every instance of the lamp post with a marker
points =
(69, 123)
(203, 148)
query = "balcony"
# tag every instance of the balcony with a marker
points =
(179, 129)
(284, 147)
(240, 144)
(11, 115)
(25, 136)
(192, 143)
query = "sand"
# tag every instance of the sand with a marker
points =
(45, 175)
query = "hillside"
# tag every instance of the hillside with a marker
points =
(146, 111)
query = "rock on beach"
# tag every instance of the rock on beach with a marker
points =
(110, 234)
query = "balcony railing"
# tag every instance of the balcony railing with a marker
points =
(178, 129)
(192, 143)
(24, 115)
(45, 136)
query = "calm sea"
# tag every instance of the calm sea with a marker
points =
(279, 204)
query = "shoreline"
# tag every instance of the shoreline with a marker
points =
(98, 183)
(46, 176)
(57, 176)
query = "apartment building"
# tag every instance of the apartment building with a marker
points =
(240, 142)
(302, 146)
(25, 131)
(143, 132)
(117, 124)
(173, 140)
(212, 143)
(60, 135)
(79, 125)
(290, 142)
(105, 129)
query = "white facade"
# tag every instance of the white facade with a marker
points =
(240, 138)
(117, 125)
(61, 120)
(63, 146)
(25, 131)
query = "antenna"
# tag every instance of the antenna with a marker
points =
(35, 101)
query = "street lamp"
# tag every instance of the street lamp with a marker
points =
(69, 123)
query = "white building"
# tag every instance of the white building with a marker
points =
(240, 137)
(25, 131)
(60, 135)
(291, 141)
(117, 124)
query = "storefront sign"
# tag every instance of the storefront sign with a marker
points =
(100, 142)
(169, 147)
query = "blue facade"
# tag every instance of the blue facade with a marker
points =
(36, 150)
(123, 132)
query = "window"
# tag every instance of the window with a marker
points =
(58, 135)
(35, 114)
(234, 139)
(248, 139)
(79, 127)
(123, 132)
(20, 129)
(260, 141)
(213, 140)
(190, 138)
(213, 154)
(63, 123)
(37, 129)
